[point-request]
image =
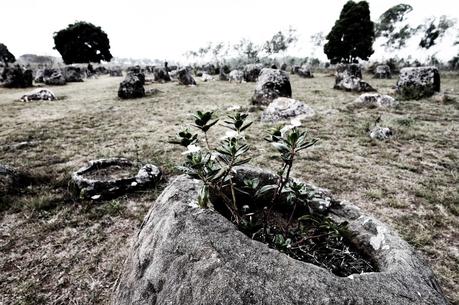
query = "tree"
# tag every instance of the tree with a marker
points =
(389, 18)
(82, 42)
(248, 48)
(390, 26)
(352, 35)
(280, 42)
(434, 32)
(5, 55)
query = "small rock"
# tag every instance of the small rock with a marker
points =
(283, 108)
(39, 94)
(206, 77)
(381, 133)
(443, 98)
(373, 100)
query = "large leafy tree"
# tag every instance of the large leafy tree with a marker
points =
(352, 36)
(82, 42)
(5, 55)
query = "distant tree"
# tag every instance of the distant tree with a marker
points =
(247, 48)
(389, 18)
(280, 42)
(202, 52)
(82, 42)
(5, 55)
(352, 35)
(317, 39)
(434, 32)
(388, 26)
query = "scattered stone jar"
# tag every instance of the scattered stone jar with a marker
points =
(236, 76)
(17, 77)
(271, 84)
(107, 178)
(73, 74)
(184, 77)
(132, 86)
(251, 72)
(184, 254)
(382, 71)
(418, 82)
(348, 77)
(304, 71)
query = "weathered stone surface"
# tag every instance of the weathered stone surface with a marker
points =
(116, 71)
(373, 100)
(271, 84)
(161, 75)
(73, 74)
(132, 86)
(443, 98)
(418, 82)
(343, 70)
(251, 72)
(223, 73)
(17, 77)
(41, 94)
(283, 108)
(11, 180)
(348, 77)
(381, 133)
(304, 71)
(236, 76)
(206, 77)
(382, 71)
(294, 69)
(187, 255)
(8, 178)
(210, 69)
(184, 77)
(101, 70)
(85, 186)
(53, 77)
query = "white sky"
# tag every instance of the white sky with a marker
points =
(166, 29)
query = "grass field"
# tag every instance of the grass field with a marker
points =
(58, 251)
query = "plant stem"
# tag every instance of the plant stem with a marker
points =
(207, 141)
(233, 194)
(290, 218)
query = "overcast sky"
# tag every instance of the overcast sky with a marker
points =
(166, 29)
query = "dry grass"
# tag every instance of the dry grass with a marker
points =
(57, 251)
